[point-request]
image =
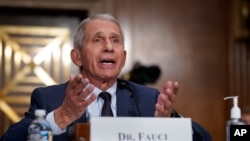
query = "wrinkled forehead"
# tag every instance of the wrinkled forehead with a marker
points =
(105, 25)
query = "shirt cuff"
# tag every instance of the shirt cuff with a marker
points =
(55, 129)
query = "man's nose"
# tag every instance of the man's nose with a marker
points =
(108, 47)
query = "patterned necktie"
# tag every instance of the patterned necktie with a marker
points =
(106, 108)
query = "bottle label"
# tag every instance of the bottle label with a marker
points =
(34, 133)
(239, 132)
(46, 135)
(34, 137)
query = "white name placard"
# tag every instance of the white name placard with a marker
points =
(140, 129)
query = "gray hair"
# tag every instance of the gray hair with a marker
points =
(80, 30)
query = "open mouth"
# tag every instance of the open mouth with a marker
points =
(107, 61)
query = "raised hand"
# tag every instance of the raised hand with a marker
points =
(79, 94)
(166, 99)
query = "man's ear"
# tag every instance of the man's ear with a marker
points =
(75, 57)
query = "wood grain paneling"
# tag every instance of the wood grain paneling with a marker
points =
(239, 51)
(188, 40)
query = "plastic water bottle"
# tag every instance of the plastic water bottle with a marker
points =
(40, 129)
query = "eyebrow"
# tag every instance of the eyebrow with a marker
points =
(112, 34)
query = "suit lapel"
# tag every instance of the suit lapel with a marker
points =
(125, 103)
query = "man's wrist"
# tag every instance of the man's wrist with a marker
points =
(61, 119)
(174, 114)
(55, 129)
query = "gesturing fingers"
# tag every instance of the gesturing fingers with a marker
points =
(79, 94)
(174, 86)
(76, 84)
(86, 92)
(166, 99)
(171, 89)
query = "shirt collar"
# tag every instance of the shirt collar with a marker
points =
(111, 90)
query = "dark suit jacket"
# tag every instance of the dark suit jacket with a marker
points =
(51, 97)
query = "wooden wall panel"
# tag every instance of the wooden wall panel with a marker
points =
(239, 51)
(188, 40)
(241, 72)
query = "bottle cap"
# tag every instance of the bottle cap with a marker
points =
(40, 112)
(235, 110)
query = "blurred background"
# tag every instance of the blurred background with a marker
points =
(202, 44)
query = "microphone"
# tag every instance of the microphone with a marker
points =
(123, 85)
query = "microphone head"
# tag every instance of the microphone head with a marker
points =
(122, 85)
